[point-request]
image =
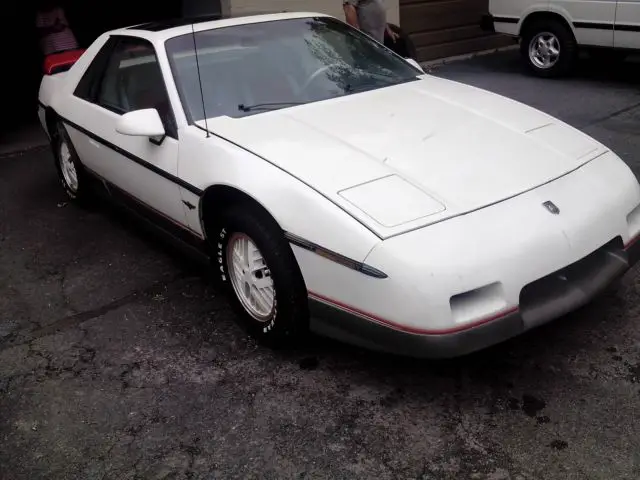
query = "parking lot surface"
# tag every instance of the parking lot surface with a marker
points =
(118, 359)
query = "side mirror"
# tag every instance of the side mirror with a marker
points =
(141, 123)
(415, 64)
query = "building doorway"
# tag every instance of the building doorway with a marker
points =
(22, 59)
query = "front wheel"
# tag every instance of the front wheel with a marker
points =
(260, 273)
(549, 48)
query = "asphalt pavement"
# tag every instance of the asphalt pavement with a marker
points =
(118, 359)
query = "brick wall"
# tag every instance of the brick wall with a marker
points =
(442, 28)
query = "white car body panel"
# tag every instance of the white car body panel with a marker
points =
(154, 190)
(511, 13)
(414, 131)
(438, 185)
(464, 254)
(595, 23)
(580, 14)
(213, 158)
(627, 32)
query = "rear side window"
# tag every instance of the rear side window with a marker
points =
(86, 88)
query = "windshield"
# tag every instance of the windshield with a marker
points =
(252, 68)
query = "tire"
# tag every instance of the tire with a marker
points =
(403, 46)
(287, 321)
(70, 171)
(563, 38)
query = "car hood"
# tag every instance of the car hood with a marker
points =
(409, 155)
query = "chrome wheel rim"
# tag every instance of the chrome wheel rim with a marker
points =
(250, 277)
(67, 167)
(544, 50)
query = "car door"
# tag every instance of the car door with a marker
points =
(593, 20)
(126, 76)
(627, 29)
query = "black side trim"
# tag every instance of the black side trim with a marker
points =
(627, 28)
(505, 19)
(333, 256)
(181, 232)
(138, 160)
(487, 19)
(152, 216)
(593, 25)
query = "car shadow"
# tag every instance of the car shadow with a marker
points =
(573, 335)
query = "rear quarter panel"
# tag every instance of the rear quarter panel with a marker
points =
(55, 89)
(50, 85)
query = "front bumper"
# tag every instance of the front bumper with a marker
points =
(477, 279)
(540, 302)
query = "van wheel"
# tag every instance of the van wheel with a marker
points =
(549, 48)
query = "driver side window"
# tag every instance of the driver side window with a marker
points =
(131, 79)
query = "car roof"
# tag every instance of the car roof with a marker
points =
(162, 30)
(161, 25)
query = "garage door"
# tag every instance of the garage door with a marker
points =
(442, 28)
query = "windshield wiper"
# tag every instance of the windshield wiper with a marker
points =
(364, 86)
(373, 84)
(267, 106)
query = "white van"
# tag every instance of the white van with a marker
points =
(552, 31)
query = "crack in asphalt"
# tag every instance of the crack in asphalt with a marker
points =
(193, 451)
(609, 116)
(127, 437)
(24, 151)
(83, 360)
(468, 452)
(26, 337)
(66, 301)
(130, 436)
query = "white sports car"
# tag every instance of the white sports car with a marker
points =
(338, 188)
